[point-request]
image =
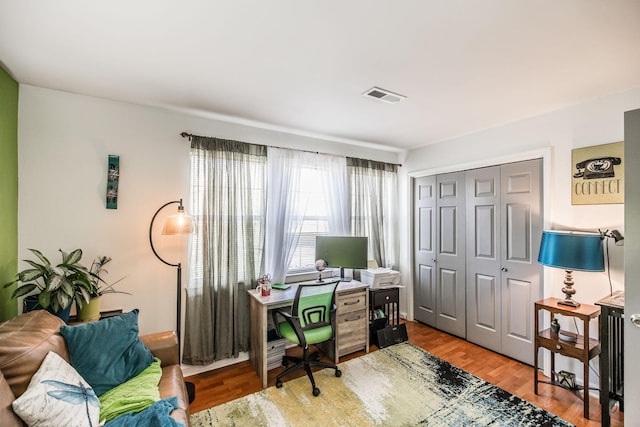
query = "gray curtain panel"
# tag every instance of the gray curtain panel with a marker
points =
(228, 201)
(374, 207)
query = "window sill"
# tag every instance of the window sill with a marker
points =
(311, 275)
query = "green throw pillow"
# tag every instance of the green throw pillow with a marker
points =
(107, 352)
(135, 395)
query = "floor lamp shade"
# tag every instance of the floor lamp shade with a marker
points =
(180, 223)
(571, 251)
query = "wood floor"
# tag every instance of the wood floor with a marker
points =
(225, 384)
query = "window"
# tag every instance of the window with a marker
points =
(313, 212)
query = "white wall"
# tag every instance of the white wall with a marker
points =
(63, 144)
(553, 135)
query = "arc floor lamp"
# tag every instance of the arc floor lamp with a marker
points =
(179, 223)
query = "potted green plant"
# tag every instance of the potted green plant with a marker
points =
(54, 287)
(88, 311)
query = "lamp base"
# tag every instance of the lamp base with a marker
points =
(569, 302)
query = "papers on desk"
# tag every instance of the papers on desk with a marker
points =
(280, 286)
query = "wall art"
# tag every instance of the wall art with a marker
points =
(113, 180)
(597, 175)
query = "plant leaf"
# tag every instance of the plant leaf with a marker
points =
(67, 288)
(36, 265)
(39, 255)
(29, 275)
(44, 299)
(63, 300)
(24, 290)
(55, 282)
(73, 257)
(85, 296)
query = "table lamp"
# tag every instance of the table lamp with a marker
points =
(571, 251)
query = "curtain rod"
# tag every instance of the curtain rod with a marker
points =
(190, 135)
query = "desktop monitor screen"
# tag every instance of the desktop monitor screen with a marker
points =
(343, 251)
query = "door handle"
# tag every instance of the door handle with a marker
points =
(635, 319)
(504, 269)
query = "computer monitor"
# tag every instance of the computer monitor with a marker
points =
(343, 252)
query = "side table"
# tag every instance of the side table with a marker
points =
(583, 349)
(387, 299)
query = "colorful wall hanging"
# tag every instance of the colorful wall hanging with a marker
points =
(113, 179)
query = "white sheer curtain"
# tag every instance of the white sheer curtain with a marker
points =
(292, 197)
(374, 208)
(333, 170)
(284, 222)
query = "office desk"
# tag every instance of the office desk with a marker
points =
(352, 332)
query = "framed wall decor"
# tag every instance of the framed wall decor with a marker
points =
(597, 175)
(113, 180)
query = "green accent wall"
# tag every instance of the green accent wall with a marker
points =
(8, 192)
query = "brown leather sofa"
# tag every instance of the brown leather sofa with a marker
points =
(26, 339)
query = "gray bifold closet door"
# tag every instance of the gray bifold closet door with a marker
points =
(477, 235)
(439, 290)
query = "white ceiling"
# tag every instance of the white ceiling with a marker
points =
(302, 65)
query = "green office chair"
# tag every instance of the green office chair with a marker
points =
(312, 321)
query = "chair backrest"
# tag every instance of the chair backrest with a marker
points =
(313, 304)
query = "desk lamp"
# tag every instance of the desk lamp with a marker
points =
(570, 251)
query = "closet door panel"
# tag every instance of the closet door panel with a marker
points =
(424, 287)
(484, 303)
(521, 274)
(451, 304)
(483, 257)
(519, 310)
(448, 294)
(518, 232)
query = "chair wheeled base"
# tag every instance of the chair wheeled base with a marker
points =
(311, 321)
(306, 362)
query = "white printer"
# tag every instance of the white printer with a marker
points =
(380, 277)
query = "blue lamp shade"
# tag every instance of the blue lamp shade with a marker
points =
(572, 251)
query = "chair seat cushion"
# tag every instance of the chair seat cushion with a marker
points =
(313, 336)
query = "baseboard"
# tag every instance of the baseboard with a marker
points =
(189, 370)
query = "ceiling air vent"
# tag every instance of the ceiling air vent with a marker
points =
(384, 95)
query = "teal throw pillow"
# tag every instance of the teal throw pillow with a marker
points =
(107, 352)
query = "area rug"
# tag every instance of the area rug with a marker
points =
(401, 385)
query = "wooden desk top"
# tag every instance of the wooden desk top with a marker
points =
(278, 296)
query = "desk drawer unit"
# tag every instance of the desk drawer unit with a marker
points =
(352, 321)
(275, 352)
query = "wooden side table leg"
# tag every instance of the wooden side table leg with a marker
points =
(535, 371)
(536, 349)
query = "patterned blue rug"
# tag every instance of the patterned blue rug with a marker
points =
(401, 385)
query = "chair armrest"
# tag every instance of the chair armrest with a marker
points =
(274, 316)
(164, 346)
(293, 321)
